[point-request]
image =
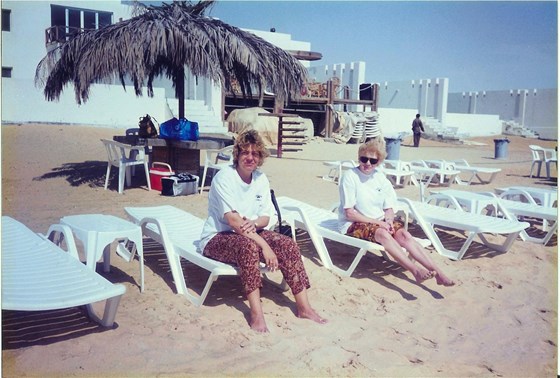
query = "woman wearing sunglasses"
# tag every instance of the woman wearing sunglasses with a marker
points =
(367, 200)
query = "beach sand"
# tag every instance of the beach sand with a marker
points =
(499, 320)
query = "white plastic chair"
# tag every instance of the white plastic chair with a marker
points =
(216, 159)
(537, 153)
(550, 156)
(118, 157)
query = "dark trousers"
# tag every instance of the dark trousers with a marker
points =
(417, 139)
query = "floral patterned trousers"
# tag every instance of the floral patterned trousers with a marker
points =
(366, 231)
(232, 248)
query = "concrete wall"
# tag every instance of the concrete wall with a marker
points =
(475, 124)
(351, 75)
(429, 96)
(108, 106)
(395, 121)
(534, 109)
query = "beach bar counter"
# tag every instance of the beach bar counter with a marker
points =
(181, 155)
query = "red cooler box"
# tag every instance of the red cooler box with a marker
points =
(158, 171)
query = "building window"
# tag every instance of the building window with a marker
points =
(67, 21)
(6, 71)
(6, 25)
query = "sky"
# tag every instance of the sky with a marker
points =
(477, 45)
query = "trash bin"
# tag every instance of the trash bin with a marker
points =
(393, 147)
(501, 148)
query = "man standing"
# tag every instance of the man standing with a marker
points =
(417, 129)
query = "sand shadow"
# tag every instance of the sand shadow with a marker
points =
(22, 329)
(372, 266)
(226, 290)
(90, 173)
(453, 240)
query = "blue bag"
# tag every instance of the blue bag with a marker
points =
(179, 129)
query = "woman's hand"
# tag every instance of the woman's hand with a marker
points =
(388, 225)
(248, 226)
(270, 258)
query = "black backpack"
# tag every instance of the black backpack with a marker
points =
(147, 127)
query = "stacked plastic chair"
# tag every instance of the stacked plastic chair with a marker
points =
(371, 130)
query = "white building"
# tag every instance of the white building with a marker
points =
(30, 28)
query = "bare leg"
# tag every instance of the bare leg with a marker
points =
(394, 249)
(406, 240)
(304, 309)
(257, 316)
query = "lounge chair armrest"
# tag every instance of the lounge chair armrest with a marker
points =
(518, 192)
(66, 232)
(441, 196)
(489, 194)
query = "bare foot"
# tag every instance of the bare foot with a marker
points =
(258, 324)
(422, 275)
(312, 315)
(442, 279)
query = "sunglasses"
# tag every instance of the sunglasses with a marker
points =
(372, 161)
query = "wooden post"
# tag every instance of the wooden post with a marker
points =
(180, 90)
(374, 94)
(329, 110)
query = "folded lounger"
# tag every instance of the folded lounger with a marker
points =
(429, 216)
(179, 232)
(37, 275)
(322, 224)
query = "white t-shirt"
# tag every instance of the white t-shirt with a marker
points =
(369, 194)
(228, 193)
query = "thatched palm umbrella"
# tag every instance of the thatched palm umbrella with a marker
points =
(164, 40)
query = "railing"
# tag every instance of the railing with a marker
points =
(60, 33)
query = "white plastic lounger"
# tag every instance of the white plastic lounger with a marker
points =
(429, 216)
(463, 166)
(336, 168)
(37, 275)
(179, 232)
(426, 174)
(322, 224)
(513, 210)
(395, 170)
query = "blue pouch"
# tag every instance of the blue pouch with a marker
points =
(179, 129)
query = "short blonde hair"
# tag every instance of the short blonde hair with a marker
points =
(374, 146)
(242, 142)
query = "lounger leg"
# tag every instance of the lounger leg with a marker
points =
(107, 175)
(111, 306)
(505, 246)
(203, 178)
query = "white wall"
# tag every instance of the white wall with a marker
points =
(108, 106)
(282, 40)
(395, 121)
(475, 124)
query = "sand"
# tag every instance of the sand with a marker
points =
(499, 320)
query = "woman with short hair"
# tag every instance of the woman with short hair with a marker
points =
(367, 202)
(239, 209)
